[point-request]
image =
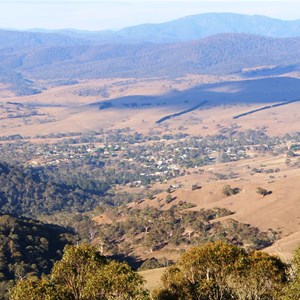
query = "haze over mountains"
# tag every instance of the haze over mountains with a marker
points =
(218, 44)
(192, 28)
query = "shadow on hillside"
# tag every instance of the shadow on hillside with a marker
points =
(266, 90)
(132, 261)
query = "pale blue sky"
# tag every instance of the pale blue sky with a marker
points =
(99, 15)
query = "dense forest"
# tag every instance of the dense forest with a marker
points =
(28, 248)
(29, 191)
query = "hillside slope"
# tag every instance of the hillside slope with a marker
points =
(220, 54)
(278, 211)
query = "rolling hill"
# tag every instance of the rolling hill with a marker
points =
(216, 55)
(221, 54)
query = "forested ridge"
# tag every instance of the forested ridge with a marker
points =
(222, 54)
(28, 248)
(31, 192)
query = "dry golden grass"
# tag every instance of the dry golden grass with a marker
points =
(279, 211)
(152, 278)
(74, 113)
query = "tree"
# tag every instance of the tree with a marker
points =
(219, 271)
(30, 289)
(290, 153)
(116, 281)
(73, 270)
(83, 274)
(292, 291)
(169, 198)
(196, 187)
(229, 191)
(262, 277)
(263, 192)
(202, 272)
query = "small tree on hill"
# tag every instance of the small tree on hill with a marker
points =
(229, 191)
(196, 187)
(262, 192)
(169, 198)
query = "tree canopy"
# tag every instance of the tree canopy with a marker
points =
(292, 291)
(83, 274)
(219, 271)
(28, 248)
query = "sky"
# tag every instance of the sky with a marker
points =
(116, 14)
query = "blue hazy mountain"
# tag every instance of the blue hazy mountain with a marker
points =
(219, 44)
(184, 29)
(195, 27)
(203, 25)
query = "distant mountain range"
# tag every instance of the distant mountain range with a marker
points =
(193, 28)
(199, 26)
(147, 51)
(180, 30)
